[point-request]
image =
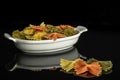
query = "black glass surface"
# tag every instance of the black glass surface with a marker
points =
(39, 62)
(99, 44)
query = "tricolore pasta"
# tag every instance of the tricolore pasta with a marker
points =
(44, 32)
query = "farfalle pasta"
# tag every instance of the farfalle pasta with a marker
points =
(67, 65)
(81, 67)
(89, 68)
(44, 32)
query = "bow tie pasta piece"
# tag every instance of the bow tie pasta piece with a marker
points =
(54, 36)
(106, 66)
(80, 67)
(67, 65)
(36, 36)
(95, 68)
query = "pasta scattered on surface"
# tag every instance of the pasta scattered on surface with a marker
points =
(67, 65)
(90, 68)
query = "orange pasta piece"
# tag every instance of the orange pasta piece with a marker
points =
(54, 36)
(38, 28)
(95, 68)
(82, 67)
(64, 26)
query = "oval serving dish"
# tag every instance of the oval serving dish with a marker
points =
(45, 46)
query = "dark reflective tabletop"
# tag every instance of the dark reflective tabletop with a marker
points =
(40, 62)
(99, 44)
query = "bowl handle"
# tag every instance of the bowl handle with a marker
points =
(81, 29)
(9, 37)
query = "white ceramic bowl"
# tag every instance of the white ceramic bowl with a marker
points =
(43, 46)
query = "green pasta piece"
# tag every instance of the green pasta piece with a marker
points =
(106, 65)
(69, 31)
(18, 34)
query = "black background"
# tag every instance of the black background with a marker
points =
(87, 13)
(101, 41)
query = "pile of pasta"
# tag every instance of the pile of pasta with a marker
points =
(88, 69)
(44, 32)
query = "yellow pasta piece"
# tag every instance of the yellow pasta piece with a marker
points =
(67, 65)
(28, 31)
(36, 36)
